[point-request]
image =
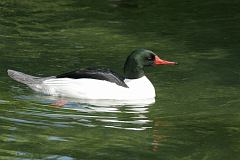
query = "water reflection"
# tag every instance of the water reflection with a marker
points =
(129, 115)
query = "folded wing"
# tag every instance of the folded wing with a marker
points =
(100, 74)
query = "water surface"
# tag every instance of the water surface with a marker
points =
(196, 113)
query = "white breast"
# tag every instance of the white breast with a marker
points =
(141, 87)
(85, 88)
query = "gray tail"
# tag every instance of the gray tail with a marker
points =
(23, 78)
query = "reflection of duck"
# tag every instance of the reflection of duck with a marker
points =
(99, 83)
(93, 113)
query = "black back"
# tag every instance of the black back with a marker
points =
(92, 73)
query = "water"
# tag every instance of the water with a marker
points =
(196, 113)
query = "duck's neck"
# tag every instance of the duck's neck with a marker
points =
(132, 70)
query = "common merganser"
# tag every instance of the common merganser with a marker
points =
(99, 83)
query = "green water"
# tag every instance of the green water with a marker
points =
(196, 115)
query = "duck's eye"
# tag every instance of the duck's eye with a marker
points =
(149, 58)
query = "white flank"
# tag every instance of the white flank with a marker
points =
(86, 88)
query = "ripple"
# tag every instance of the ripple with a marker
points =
(22, 121)
(56, 138)
(3, 101)
(59, 157)
(84, 113)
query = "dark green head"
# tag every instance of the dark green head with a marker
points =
(138, 59)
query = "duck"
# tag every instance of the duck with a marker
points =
(99, 83)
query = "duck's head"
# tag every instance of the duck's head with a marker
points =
(140, 58)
